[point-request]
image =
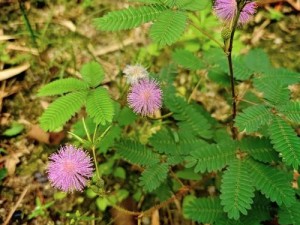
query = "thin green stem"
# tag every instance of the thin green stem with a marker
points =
(86, 130)
(205, 33)
(161, 117)
(95, 162)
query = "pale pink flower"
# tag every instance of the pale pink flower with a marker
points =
(227, 9)
(145, 97)
(69, 169)
(134, 73)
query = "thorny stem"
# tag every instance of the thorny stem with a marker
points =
(95, 161)
(228, 45)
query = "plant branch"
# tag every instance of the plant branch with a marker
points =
(206, 34)
(228, 45)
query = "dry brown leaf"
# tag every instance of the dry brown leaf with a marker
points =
(11, 162)
(38, 134)
(8, 73)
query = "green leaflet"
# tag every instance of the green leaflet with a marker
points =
(274, 92)
(92, 73)
(237, 191)
(291, 110)
(187, 59)
(99, 106)
(259, 148)
(289, 215)
(168, 27)
(252, 118)
(211, 157)
(153, 176)
(173, 143)
(203, 210)
(274, 184)
(258, 60)
(285, 141)
(61, 110)
(62, 86)
(128, 18)
(136, 153)
(190, 119)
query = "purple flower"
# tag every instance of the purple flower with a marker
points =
(145, 97)
(69, 169)
(227, 9)
(135, 73)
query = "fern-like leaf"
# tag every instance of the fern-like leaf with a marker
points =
(128, 18)
(260, 149)
(61, 110)
(192, 5)
(257, 59)
(285, 141)
(92, 73)
(168, 27)
(211, 157)
(241, 71)
(252, 118)
(291, 110)
(274, 92)
(136, 153)
(99, 106)
(203, 210)
(62, 86)
(274, 184)
(153, 176)
(187, 59)
(237, 191)
(174, 143)
(190, 119)
(289, 215)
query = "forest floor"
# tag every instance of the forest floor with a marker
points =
(43, 40)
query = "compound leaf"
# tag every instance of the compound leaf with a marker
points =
(260, 149)
(274, 184)
(99, 106)
(291, 110)
(136, 153)
(237, 191)
(153, 176)
(168, 27)
(211, 157)
(252, 118)
(61, 110)
(285, 141)
(128, 18)
(187, 59)
(92, 73)
(203, 210)
(289, 215)
(62, 86)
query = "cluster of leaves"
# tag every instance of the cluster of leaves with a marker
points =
(256, 171)
(74, 94)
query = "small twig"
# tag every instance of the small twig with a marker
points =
(16, 205)
(6, 74)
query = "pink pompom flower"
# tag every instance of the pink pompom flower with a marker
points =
(227, 9)
(69, 169)
(145, 97)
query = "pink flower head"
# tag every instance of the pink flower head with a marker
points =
(134, 73)
(145, 97)
(69, 169)
(227, 9)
